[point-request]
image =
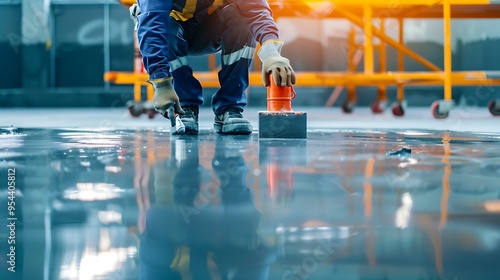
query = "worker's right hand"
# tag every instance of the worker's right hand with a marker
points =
(165, 97)
(279, 66)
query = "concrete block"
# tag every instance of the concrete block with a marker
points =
(291, 125)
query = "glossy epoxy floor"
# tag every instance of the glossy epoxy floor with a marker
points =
(343, 204)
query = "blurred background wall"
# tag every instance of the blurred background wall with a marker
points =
(53, 53)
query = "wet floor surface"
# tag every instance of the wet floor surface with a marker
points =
(343, 204)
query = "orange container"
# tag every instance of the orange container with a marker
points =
(279, 98)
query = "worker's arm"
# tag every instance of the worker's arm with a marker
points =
(151, 18)
(265, 31)
(260, 19)
(152, 32)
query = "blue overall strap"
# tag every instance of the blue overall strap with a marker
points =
(152, 33)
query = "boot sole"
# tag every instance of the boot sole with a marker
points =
(233, 129)
(191, 128)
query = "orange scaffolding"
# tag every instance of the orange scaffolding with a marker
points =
(364, 14)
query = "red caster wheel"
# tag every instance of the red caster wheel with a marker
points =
(438, 112)
(398, 110)
(135, 110)
(494, 108)
(347, 107)
(151, 113)
(378, 107)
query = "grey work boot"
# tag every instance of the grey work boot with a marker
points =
(190, 119)
(232, 122)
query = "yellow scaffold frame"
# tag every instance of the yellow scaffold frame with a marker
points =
(363, 13)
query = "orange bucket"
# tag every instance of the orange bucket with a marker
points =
(279, 98)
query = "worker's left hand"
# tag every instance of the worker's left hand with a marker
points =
(277, 65)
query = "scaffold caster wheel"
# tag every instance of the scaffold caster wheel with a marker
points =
(440, 109)
(149, 109)
(151, 113)
(398, 109)
(348, 107)
(494, 107)
(378, 106)
(135, 110)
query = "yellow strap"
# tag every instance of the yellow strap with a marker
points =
(187, 11)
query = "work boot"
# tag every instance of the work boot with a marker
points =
(232, 122)
(190, 119)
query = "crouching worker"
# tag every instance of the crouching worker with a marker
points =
(169, 31)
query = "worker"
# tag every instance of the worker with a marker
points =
(169, 31)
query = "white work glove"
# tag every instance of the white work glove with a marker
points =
(134, 11)
(273, 62)
(165, 97)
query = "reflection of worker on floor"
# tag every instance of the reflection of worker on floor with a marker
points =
(169, 31)
(190, 237)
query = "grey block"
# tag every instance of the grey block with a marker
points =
(291, 125)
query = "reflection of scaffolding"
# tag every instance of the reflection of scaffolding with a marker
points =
(362, 13)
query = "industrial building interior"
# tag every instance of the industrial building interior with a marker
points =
(383, 163)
